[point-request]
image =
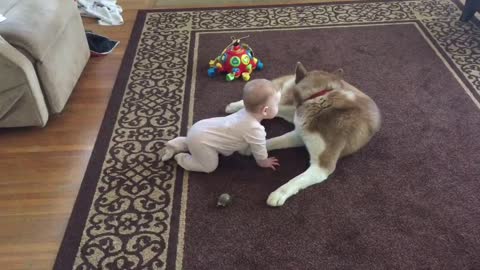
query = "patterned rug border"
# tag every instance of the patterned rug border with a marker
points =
(475, 96)
(78, 218)
(73, 233)
(281, 5)
(459, 4)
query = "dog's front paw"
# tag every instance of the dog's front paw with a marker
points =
(233, 107)
(277, 198)
(230, 108)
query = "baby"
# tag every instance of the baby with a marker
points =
(240, 131)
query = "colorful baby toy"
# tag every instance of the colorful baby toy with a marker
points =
(236, 60)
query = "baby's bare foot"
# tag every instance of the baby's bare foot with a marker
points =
(167, 153)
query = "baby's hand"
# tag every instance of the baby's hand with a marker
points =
(270, 162)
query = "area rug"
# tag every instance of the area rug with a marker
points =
(409, 200)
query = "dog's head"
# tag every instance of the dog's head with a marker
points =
(308, 83)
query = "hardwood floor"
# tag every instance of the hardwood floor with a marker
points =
(41, 169)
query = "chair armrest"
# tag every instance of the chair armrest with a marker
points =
(21, 100)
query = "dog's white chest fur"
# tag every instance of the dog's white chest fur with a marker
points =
(313, 140)
(298, 121)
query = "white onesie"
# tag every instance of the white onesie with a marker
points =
(225, 135)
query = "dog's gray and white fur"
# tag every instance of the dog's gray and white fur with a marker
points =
(331, 126)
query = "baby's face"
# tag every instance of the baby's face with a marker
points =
(272, 105)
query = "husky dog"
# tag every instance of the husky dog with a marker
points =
(332, 119)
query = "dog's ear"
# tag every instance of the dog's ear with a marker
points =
(339, 73)
(300, 72)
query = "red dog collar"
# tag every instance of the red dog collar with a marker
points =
(319, 94)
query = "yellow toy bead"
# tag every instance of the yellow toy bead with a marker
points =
(246, 76)
(219, 66)
(211, 63)
(255, 60)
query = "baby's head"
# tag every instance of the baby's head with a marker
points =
(261, 97)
